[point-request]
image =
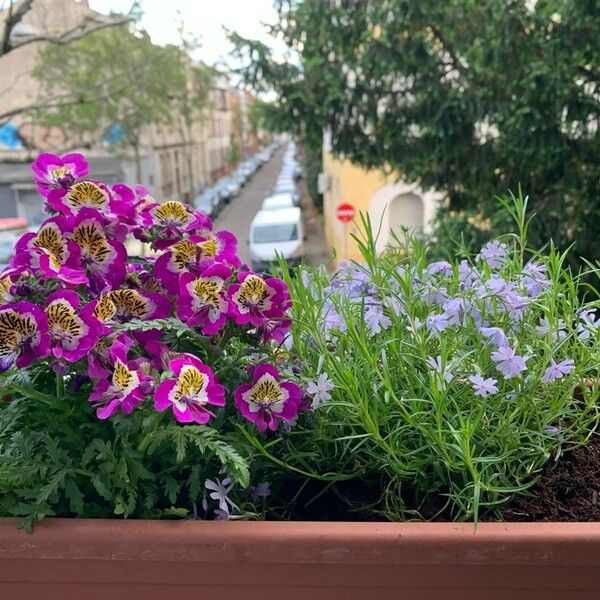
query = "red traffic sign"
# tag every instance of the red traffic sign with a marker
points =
(345, 212)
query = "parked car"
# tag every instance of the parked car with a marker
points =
(232, 186)
(289, 188)
(278, 201)
(209, 202)
(223, 190)
(276, 232)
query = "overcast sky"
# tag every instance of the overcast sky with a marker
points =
(204, 18)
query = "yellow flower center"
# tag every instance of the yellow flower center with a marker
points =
(129, 303)
(253, 290)
(190, 385)
(266, 391)
(59, 172)
(124, 378)
(207, 289)
(92, 241)
(86, 193)
(64, 322)
(15, 329)
(50, 239)
(105, 310)
(184, 252)
(172, 213)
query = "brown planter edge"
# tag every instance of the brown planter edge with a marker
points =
(75, 558)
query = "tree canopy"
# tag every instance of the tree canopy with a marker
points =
(471, 97)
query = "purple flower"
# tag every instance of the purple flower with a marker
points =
(434, 295)
(332, 318)
(125, 387)
(455, 310)
(495, 335)
(558, 370)
(257, 300)
(436, 322)
(202, 300)
(52, 171)
(468, 275)
(73, 333)
(483, 387)
(320, 389)
(219, 491)
(375, 320)
(441, 267)
(23, 335)
(494, 253)
(508, 362)
(588, 323)
(267, 399)
(535, 279)
(188, 394)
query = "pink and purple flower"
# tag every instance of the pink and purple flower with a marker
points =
(190, 393)
(52, 171)
(103, 259)
(202, 300)
(267, 399)
(125, 387)
(23, 335)
(256, 300)
(73, 334)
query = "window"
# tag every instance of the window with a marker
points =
(281, 232)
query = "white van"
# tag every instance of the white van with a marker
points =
(278, 201)
(276, 232)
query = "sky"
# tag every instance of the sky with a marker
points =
(203, 18)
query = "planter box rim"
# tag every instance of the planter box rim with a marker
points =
(285, 542)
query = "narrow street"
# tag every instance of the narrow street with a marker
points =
(238, 214)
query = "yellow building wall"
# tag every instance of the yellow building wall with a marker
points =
(354, 185)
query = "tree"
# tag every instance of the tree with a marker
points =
(469, 97)
(12, 15)
(122, 80)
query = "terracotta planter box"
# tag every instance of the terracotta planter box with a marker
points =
(180, 560)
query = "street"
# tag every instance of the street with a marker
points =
(238, 214)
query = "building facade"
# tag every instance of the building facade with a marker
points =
(390, 204)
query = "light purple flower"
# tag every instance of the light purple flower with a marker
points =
(436, 322)
(535, 279)
(455, 310)
(588, 323)
(219, 491)
(376, 321)
(320, 389)
(558, 370)
(440, 267)
(495, 335)
(483, 387)
(494, 253)
(468, 275)
(434, 295)
(508, 362)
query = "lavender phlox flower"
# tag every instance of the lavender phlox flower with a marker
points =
(515, 305)
(554, 432)
(440, 371)
(508, 362)
(495, 335)
(455, 309)
(434, 295)
(376, 320)
(483, 387)
(260, 490)
(535, 279)
(320, 389)
(436, 322)
(440, 267)
(558, 370)
(494, 286)
(331, 317)
(556, 333)
(494, 253)
(588, 323)
(468, 275)
(395, 305)
(220, 492)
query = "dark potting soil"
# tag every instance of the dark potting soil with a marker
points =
(568, 490)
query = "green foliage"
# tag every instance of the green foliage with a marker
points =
(58, 459)
(422, 445)
(470, 98)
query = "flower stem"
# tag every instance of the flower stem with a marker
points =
(60, 386)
